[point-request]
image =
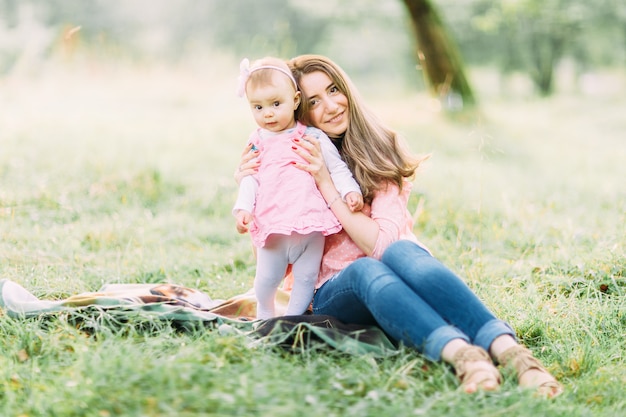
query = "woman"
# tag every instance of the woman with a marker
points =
(375, 271)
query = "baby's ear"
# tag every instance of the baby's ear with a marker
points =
(296, 100)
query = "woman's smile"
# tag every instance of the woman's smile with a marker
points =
(336, 118)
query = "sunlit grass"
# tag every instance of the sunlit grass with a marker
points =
(117, 175)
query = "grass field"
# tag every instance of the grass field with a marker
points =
(116, 175)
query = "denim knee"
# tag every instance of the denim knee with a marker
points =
(377, 276)
(402, 250)
(364, 271)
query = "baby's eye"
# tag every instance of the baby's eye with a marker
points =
(276, 103)
(258, 107)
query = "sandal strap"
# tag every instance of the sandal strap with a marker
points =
(471, 353)
(522, 360)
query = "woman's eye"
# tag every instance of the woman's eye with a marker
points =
(333, 89)
(313, 102)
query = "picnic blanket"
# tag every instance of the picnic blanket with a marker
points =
(188, 307)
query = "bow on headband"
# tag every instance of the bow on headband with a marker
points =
(245, 71)
(244, 74)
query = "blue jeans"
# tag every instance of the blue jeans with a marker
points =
(413, 297)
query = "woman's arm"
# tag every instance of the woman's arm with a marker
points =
(362, 229)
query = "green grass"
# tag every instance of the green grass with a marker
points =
(112, 175)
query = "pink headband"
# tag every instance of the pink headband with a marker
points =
(245, 71)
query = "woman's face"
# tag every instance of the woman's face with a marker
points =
(328, 106)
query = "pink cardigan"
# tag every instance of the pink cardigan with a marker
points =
(389, 210)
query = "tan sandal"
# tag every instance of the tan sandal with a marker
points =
(475, 369)
(522, 360)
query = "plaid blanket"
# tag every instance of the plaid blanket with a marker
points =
(189, 307)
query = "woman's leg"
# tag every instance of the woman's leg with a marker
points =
(458, 305)
(445, 292)
(368, 292)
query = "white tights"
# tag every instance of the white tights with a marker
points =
(304, 252)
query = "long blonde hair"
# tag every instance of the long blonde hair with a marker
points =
(374, 153)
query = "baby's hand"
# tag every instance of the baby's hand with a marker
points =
(243, 221)
(354, 201)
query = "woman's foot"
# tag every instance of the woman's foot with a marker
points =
(475, 369)
(530, 372)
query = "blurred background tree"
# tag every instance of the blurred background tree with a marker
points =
(439, 57)
(535, 36)
(368, 37)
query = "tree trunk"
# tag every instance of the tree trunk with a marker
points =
(547, 49)
(439, 57)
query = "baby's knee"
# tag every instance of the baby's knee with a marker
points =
(308, 280)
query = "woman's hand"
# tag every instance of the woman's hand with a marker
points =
(249, 163)
(310, 150)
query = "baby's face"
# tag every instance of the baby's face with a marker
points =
(273, 104)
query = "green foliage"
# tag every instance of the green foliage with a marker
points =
(274, 27)
(533, 36)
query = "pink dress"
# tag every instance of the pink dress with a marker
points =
(287, 199)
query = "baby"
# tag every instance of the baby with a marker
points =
(281, 206)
